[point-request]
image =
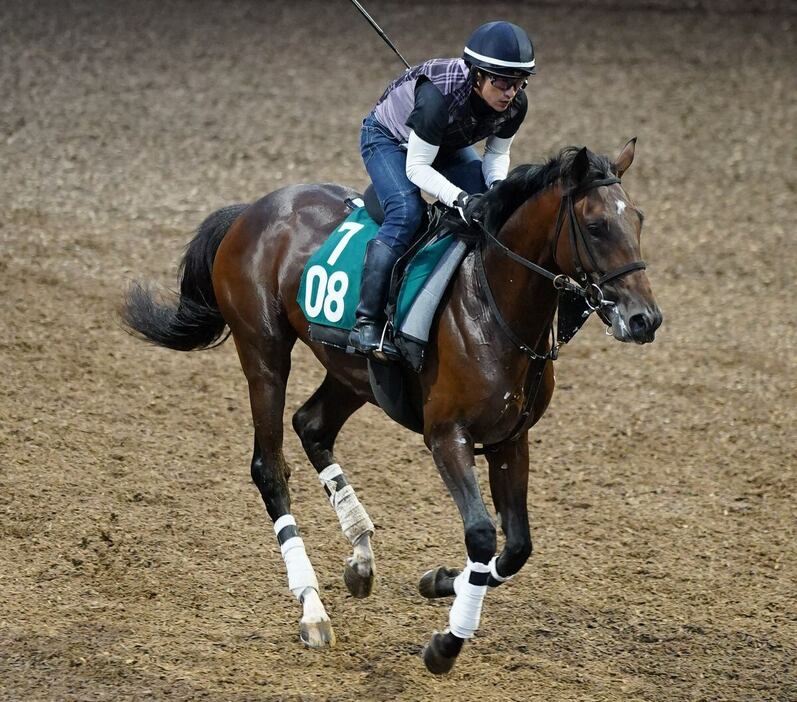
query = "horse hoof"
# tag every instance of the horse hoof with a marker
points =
(438, 582)
(317, 634)
(436, 661)
(359, 586)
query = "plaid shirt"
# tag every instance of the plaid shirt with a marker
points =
(454, 81)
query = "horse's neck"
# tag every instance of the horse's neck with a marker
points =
(527, 300)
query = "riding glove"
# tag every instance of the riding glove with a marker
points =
(470, 207)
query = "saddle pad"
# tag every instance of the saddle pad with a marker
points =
(330, 286)
(420, 268)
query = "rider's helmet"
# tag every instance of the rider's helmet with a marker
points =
(502, 49)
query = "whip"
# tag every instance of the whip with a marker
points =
(379, 31)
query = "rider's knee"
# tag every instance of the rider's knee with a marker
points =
(405, 210)
(403, 216)
(413, 209)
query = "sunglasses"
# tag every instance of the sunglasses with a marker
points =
(505, 84)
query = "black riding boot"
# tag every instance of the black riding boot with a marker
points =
(366, 336)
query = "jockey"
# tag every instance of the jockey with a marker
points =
(420, 136)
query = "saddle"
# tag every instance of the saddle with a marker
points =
(329, 288)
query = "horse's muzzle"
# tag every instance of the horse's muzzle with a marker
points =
(643, 325)
(639, 326)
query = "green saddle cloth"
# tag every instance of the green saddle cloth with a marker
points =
(330, 287)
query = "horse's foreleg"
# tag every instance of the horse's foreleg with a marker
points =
(453, 453)
(509, 477)
(509, 473)
(267, 371)
(318, 423)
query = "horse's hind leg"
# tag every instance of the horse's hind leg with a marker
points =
(318, 423)
(266, 364)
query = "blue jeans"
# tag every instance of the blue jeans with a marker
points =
(386, 162)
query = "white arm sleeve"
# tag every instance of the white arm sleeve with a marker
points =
(496, 159)
(420, 156)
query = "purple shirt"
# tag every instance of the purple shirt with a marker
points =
(450, 77)
(454, 81)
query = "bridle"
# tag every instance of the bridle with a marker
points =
(590, 283)
(587, 284)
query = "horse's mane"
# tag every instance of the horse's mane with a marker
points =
(526, 181)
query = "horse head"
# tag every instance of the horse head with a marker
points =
(602, 246)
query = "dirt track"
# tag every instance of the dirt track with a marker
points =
(136, 561)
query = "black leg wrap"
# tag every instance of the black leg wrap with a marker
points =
(440, 654)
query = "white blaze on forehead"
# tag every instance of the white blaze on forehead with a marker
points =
(620, 207)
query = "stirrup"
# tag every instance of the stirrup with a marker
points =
(387, 351)
(384, 350)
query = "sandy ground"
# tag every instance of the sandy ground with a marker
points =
(136, 559)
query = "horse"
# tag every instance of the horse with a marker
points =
(487, 379)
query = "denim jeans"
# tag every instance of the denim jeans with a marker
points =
(386, 162)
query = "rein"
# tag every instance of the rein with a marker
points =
(588, 286)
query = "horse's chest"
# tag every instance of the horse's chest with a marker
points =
(500, 398)
(507, 410)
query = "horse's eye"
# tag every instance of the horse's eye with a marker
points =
(595, 228)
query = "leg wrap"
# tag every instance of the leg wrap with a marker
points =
(470, 587)
(495, 580)
(354, 520)
(300, 571)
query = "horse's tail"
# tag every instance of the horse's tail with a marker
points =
(193, 321)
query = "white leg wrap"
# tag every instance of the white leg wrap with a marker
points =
(354, 520)
(494, 571)
(463, 619)
(300, 571)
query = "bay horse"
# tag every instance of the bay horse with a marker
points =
(487, 379)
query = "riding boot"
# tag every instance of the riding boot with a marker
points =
(366, 336)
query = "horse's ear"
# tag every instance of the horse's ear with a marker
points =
(580, 167)
(625, 159)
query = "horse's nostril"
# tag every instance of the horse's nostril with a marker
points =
(638, 324)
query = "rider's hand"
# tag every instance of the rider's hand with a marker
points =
(469, 207)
